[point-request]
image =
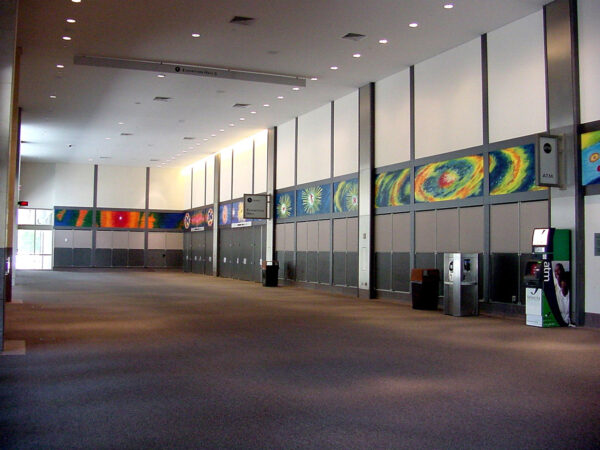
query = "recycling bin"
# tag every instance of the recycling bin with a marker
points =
(424, 286)
(270, 270)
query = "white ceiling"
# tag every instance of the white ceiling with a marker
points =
(288, 37)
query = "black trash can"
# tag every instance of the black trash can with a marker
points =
(270, 271)
(424, 285)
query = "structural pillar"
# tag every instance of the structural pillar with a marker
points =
(366, 152)
(271, 174)
(8, 147)
(217, 197)
(566, 202)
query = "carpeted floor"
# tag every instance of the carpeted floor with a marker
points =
(119, 359)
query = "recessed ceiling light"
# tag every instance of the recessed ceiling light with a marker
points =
(160, 75)
(242, 118)
(334, 67)
(280, 97)
(191, 148)
(448, 6)
(413, 24)
(221, 130)
(205, 139)
(232, 124)
(252, 112)
(195, 35)
(121, 123)
(76, 1)
(213, 135)
(198, 143)
(60, 66)
(383, 41)
(314, 79)
(71, 21)
(356, 55)
(266, 105)
(90, 159)
(108, 139)
(66, 38)
(295, 89)
(53, 96)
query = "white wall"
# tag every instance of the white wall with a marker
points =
(592, 263)
(242, 168)
(74, 185)
(286, 154)
(448, 101)
(260, 162)
(589, 62)
(345, 135)
(225, 177)
(187, 188)
(314, 145)
(517, 79)
(210, 180)
(37, 184)
(198, 184)
(121, 187)
(392, 119)
(167, 189)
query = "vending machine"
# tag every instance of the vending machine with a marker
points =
(547, 279)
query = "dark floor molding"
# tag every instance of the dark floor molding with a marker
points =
(344, 290)
(592, 320)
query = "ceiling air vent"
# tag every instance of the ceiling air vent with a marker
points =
(354, 36)
(241, 20)
(106, 157)
(241, 105)
(188, 138)
(162, 99)
(126, 134)
(154, 159)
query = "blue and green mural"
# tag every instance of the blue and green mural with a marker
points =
(74, 218)
(590, 158)
(313, 200)
(513, 170)
(449, 180)
(284, 205)
(392, 188)
(345, 197)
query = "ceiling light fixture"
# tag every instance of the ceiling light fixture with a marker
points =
(160, 75)
(76, 1)
(266, 105)
(383, 41)
(232, 124)
(280, 97)
(221, 130)
(448, 6)
(295, 89)
(413, 24)
(334, 67)
(71, 21)
(252, 112)
(66, 38)
(121, 123)
(60, 66)
(108, 139)
(356, 55)
(213, 135)
(314, 79)
(195, 35)
(205, 139)
(53, 96)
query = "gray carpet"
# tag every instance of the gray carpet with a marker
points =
(120, 359)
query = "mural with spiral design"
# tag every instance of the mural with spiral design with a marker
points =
(313, 200)
(590, 158)
(345, 197)
(513, 170)
(392, 188)
(449, 180)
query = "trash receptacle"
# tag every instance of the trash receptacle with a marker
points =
(424, 285)
(270, 271)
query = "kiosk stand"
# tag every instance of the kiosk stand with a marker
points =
(547, 279)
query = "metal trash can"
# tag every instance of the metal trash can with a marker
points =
(270, 271)
(424, 286)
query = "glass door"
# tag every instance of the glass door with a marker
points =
(34, 239)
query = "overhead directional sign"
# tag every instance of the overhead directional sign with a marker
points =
(256, 206)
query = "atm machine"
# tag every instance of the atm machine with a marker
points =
(547, 279)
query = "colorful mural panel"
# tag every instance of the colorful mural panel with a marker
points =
(122, 219)
(232, 213)
(590, 158)
(201, 218)
(313, 200)
(345, 197)
(449, 180)
(392, 188)
(284, 205)
(73, 218)
(513, 170)
(170, 221)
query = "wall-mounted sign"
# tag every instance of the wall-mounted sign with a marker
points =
(547, 161)
(256, 206)
(241, 224)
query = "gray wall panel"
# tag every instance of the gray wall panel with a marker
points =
(280, 237)
(324, 235)
(401, 271)
(504, 228)
(103, 257)
(82, 257)
(156, 258)
(289, 237)
(174, 258)
(104, 239)
(471, 229)
(401, 232)
(302, 236)
(425, 261)
(425, 232)
(531, 215)
(352, 234)
(447, 230)
(313, 236)
(157, 241)
(339, 268)
(383, 267)
(63, 238)
(290, 266)
(339, 235)
(119, 257)
(312, 263)
(383, 234)
(352, 269)
(63, 257)
(135, 258)
(301, 266)
(324, 259)
(120, 239)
